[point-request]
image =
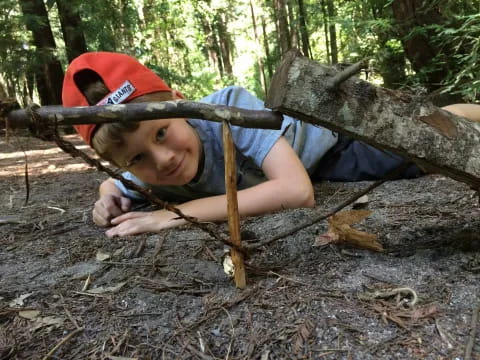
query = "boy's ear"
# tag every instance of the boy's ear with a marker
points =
(176, 95)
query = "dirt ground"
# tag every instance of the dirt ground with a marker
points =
(68, 290)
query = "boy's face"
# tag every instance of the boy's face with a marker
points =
(161, 152)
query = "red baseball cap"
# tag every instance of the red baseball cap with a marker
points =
(123, 75)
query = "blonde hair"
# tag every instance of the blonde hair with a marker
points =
(109, 136)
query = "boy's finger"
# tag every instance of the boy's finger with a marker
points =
(127, 216)
(125, 204)
(99, 219)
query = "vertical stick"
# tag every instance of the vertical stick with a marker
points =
(232, 205)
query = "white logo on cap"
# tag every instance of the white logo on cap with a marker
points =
(118, 96)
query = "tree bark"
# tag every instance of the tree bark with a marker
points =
(48, 73)
(71, 24)
(406, 124)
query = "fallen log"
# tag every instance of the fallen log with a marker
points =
(406, 124)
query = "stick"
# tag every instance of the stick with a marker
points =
(473, 330)
(318, 218)
(63, 341)
(345, 74)
(146, 111)
(232, 206)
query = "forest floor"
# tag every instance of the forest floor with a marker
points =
(67, 289)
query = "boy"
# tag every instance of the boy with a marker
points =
(181, 160)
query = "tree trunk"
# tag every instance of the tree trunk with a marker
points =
(293, 29)
(406, 124)
(261, 69)
(48, 71)
(303, 29)
(225, 43)
(266, 48)
(283, 33)
(332, 31)
(326, 22)
(420, 50)
(71, 24)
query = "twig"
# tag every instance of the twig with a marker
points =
(346, 74)
(232, 338)
(473, 330)
(70, 316)
(288, 279)
(63, 341)
(232, 207)
(389, 176)
(120, 342)
(198, 353)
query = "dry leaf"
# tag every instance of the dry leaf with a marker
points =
(301, 336)
(101, 289)
(47, 321)
(29, 314)
(228, 267)
(19, 300)
(102, 256)
(420, 313)
(339, 231)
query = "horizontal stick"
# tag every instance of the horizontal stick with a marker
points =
(147, 111)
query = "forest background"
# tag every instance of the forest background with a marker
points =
(199, 46)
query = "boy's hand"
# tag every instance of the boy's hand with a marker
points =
(133, 223)
(109, 206)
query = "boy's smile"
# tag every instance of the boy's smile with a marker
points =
(161, 152)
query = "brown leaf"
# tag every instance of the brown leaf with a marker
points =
(324, 239)
(303, 333)
(339, 231)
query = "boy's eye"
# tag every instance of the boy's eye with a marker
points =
(135, 160)
(161, 133)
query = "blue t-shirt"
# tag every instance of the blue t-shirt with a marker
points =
(310, 142)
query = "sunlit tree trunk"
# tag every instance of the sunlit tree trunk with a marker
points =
(266, 48)
(293, 28)
(302, 20)
(225, 43)
(283, 33)
(73, 36)
(261, 69)
(332, 31)
(48, 70)
(325, 30)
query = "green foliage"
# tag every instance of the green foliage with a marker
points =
(464, 79)
(192, 43)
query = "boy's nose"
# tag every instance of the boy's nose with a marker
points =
(164, 159)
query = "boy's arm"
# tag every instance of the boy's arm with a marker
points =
(111, 203)
(288, 186)
(469, 111)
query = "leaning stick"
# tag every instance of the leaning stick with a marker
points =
(232, 206)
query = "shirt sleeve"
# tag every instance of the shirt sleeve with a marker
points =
(131, 194)
(252, 143)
